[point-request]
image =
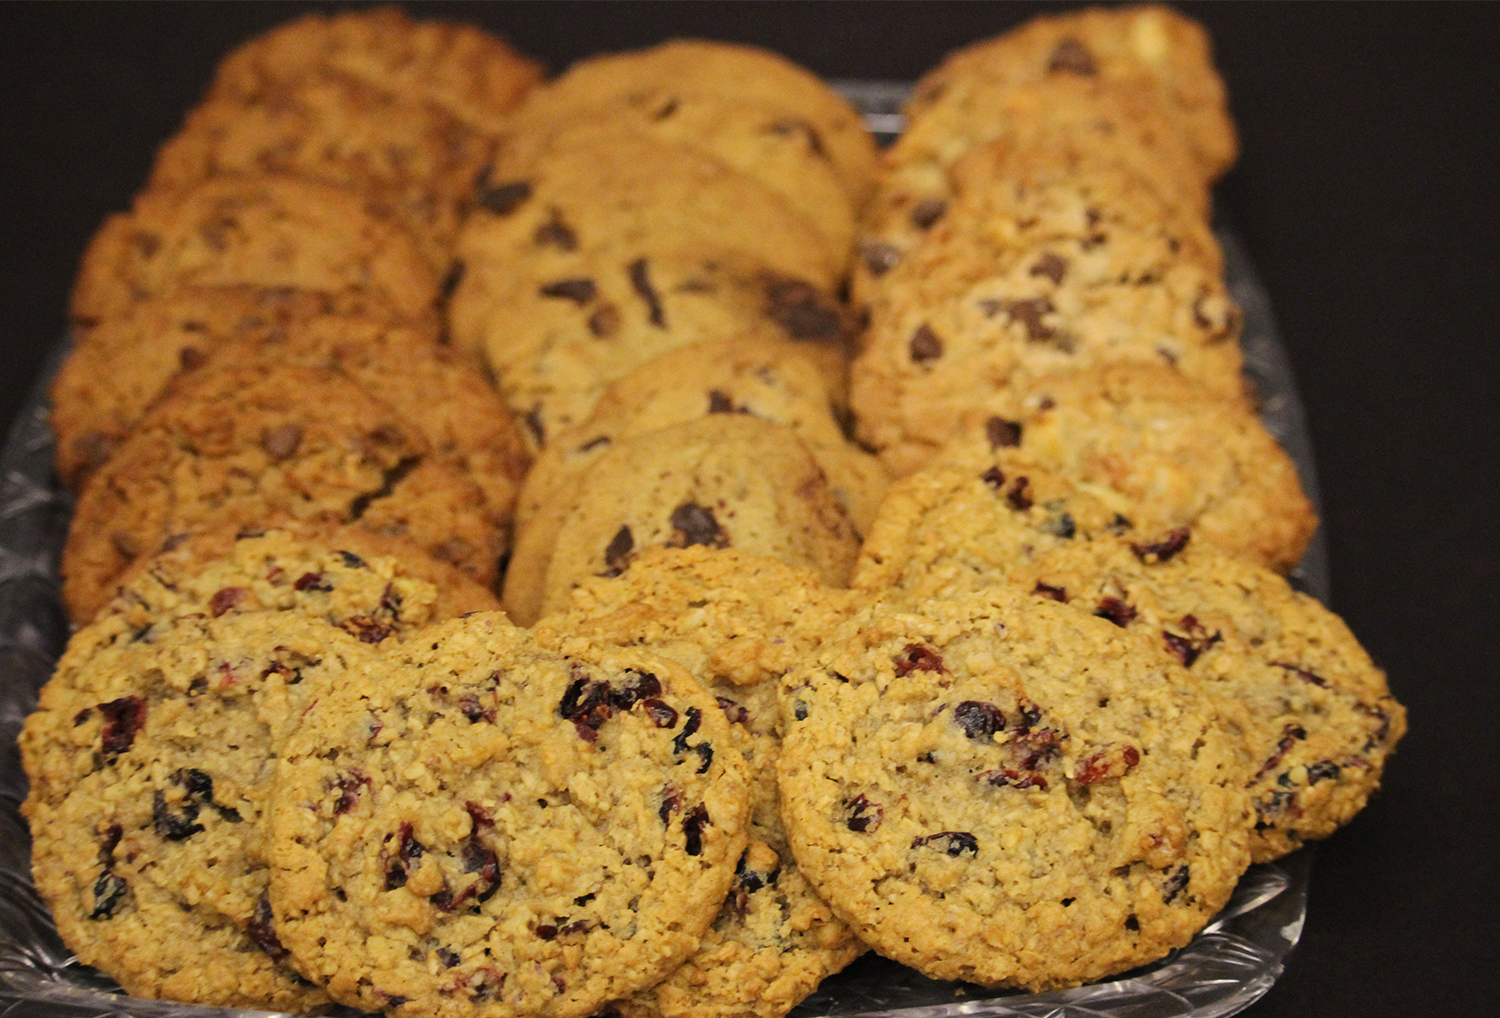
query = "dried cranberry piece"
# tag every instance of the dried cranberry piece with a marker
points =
(1175, 884)
(692, 829)
(994, 477)
(720, 403)
(863, 815)
(479, 814)
(925, 345)
(1187, 648)
(605, 321)
(1033, 747)
(108, 890)
(556, 233)
(958, 842)
(225, 599)
(447, 957)
(1002, 434)
(348, 786)
(352, 560)
(640, 282)
(1048, 590)
(661, 713)
(694, 722)
(177, 826)
(1111, 762)
(879, 258)
(735, 712)
(1019, 496)
(109, 844)
(671, 802)
(123, 718)
(1010, 778)
(1303, 674)
(617, 554)
(1072, 57)
(979, 720)
(365, 629)
(1030, 716)
(312, 581)
(693, 525)
(1323, 769)
(535, 425)
(1163, 550)
(281, 443)
(1051, 266)
(262, 930)
(502, 199)
(914, 657)
(579, 291)
(639, 686)
(1290, 735)
(470, 707)
(1116, 611)
(927, 212)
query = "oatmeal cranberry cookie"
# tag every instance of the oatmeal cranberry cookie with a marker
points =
(558, 331)
(998, 790)
(718, 72)
(768, 379)
(1318, 714)
(150, 758)
(1160, 449)
(737, 623)
(266, 230)
(1064, 265)
(486, 824)
(251, 447)
(119, 365)
(723, 481)
(471, 74)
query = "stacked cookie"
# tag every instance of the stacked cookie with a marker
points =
(650, 272)
(258, 340)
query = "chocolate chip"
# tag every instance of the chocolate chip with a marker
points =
(925, 345)
(281, 443)
(720, 403)
(863, 816)
(1002, 434)
(640, 281)
(802, 310)
(189, 358)
(1163, 550)
(1051, 266)
(123, 718)
(452, 278)
(1019, 495)
(108, 891)
(556, 233)
(979, 720)
(617, 554)
(503, 199)
(927, 211)
(1062, 525)
(994, 477)
(352, 560)
(1028, 313)
(956, 842)
(879, 258)
(914, 657)
(1072, 57)
(605, 321)
(579, 291)
(1116, 611)
(693, 525)
(1047, 590)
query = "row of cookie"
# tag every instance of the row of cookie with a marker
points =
(1038, 251)
(259, 337)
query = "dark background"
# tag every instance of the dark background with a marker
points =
(1367, 197)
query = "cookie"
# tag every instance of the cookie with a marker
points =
(1161, 450)
(150, 759)
(1317, 712)
(765, 142)
(998, 790)
(369, 586)
(557, 332)
(1063, 267)
(726, 71)
(412, 158)
(420, 810)
(250, 447)
(723, 481)
(737, 623)
(269, 231)
(119, 365)
(471, 74)
(770, 380)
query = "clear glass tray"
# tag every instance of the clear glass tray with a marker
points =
(1223, 970)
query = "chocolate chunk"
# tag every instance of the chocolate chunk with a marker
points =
(1019, 495)
(879, 258)
(640, 281)
(1163, 550)
(1072, 57)
(925, 345)
(979, 720)
(281, 443)
(720, 403)
(956, 842)
(863, 816)
(1002, 434)
(693, 525)
(579, 291)
(1051, 266)
(502, 199)
(123, 718)
(994, 477)
(556, 233)
(1028, 313)
(802, 310)
(914, 657)
(618, 553)
(927, 211)
(605, 321)
(1116, 611)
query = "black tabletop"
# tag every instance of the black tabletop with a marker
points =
(1368, 195)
